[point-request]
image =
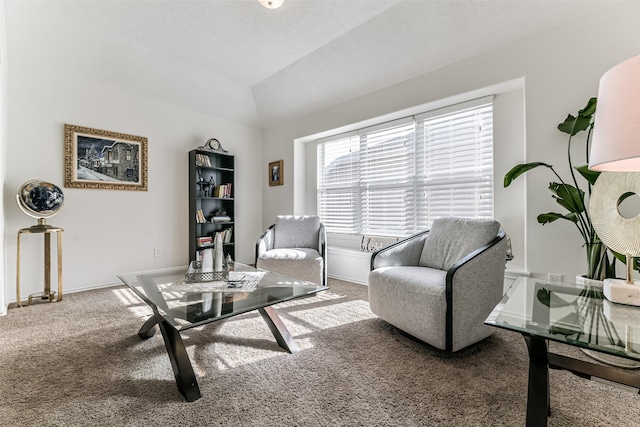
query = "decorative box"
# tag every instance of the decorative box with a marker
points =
(195, 274)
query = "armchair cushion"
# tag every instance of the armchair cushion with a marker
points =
(301, 263)
(412, 299)
(452, 239)
(296, 232)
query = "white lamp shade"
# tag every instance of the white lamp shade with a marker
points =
(616, 134)
(271, 4)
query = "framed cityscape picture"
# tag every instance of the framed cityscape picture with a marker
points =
(100, 159)
(275, 173)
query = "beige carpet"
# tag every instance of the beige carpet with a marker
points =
(80, 363)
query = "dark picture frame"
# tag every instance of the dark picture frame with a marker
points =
(275, 173)
(100, 159)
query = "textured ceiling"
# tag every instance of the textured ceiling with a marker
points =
(236, 60)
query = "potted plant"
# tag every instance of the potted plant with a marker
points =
(570, 196)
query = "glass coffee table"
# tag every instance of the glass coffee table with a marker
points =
(577, 315)
(178, 306)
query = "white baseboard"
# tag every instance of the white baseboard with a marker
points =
(3, 310)
(349, 279)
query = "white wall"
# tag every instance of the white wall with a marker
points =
(112, 231)
(3, 143)
(510, 206)
(561, 69)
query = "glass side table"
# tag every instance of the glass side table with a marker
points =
(575, 315)
(47, 230)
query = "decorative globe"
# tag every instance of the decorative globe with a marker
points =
(40, 199)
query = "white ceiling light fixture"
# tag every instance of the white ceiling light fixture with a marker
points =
(271, 4)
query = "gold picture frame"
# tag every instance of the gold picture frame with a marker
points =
(100, 159)
(275, 173)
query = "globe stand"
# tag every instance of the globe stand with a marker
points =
(48, 294)
(41, 200)
(41, 226)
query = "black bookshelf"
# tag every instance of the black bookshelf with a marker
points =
(211, 200)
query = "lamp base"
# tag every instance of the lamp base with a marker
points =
(621, 292)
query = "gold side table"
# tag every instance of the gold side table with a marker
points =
(47, 230)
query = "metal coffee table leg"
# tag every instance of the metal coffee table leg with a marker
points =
(279, 330)
(538, 405)
(148, 329)
(182, 369)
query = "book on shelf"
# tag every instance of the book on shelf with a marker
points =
(220, 218)
(204, 241)
(200, 216)
(203, 160)
(223, 191)
(227, 234)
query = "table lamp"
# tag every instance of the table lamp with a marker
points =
(615, 151)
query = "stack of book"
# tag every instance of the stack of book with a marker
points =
(204, 242)
(220, 218)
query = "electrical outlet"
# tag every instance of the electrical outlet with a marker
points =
(157, 252)
(553, 277)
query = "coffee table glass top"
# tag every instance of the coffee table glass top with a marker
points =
(186, 307)
(579, 315)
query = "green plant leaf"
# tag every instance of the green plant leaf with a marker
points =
(611, 268)
(573, 125)
(573, 217)
(625, 195)
(588, 174)
(568, 196)
(590, 109)
(622, 258)
(596, 260)
(549, 217)
(518, 170)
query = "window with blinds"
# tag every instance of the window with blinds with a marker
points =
(395, 178)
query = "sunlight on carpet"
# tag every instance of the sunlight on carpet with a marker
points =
(328, 317)
(245, 340)
(133, 302)
(127, 296)
(313, 299)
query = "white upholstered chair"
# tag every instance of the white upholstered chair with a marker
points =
(294, 246)
(440, 285)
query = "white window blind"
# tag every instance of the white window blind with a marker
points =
(387, 171)
(455, 164)
(395, 178)
(338, 183)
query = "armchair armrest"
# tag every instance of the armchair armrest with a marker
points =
(322, 249)
(403, 252)
(265, 242)
(476, 281)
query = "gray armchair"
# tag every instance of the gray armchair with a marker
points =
(294, 246)
(440, 285)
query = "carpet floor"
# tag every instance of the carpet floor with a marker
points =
(80, 363)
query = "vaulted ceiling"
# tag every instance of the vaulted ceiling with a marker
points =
(237, 60)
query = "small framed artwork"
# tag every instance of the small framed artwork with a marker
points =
(275, 173)
(100, 159)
